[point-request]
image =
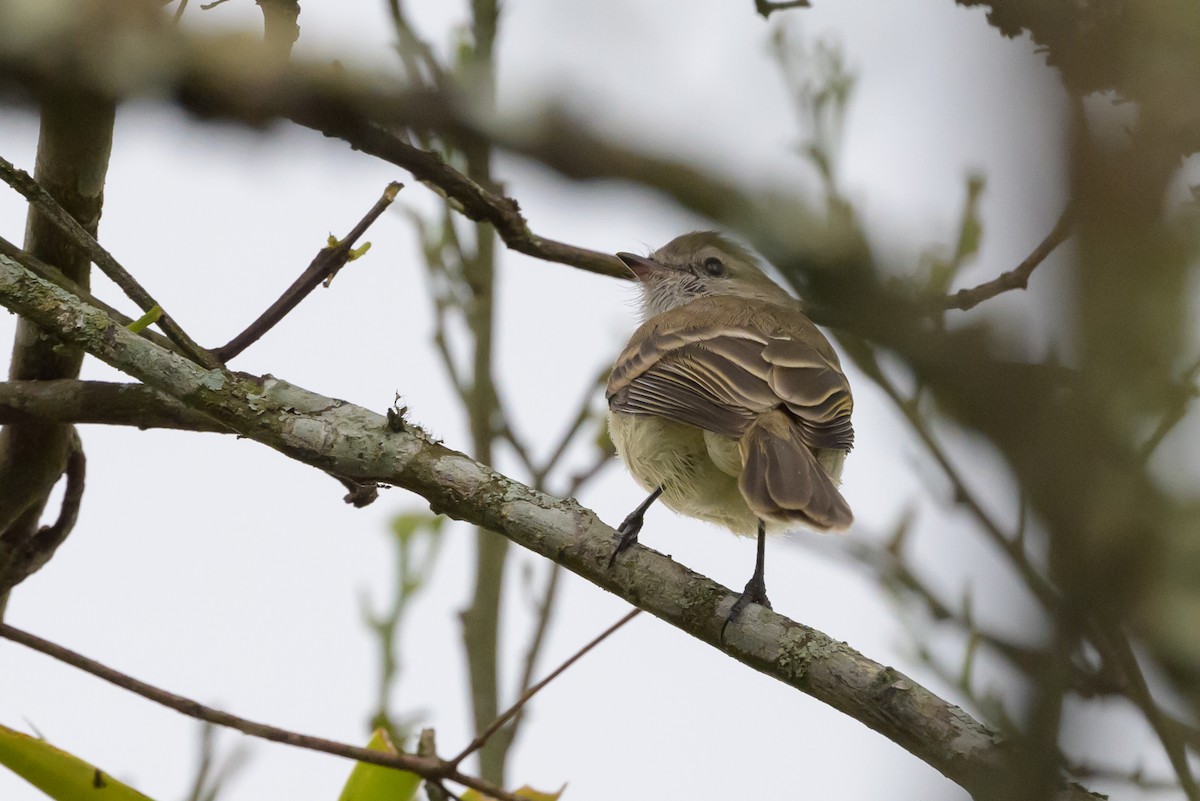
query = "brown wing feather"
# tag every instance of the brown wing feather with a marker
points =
(782, 480)
(721, 377)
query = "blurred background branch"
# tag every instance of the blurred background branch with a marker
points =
(1100, 545)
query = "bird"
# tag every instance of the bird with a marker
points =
(728, 403)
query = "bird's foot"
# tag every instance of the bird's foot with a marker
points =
(755, 592)
(629, 529)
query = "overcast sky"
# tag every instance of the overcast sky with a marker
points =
(220, 570)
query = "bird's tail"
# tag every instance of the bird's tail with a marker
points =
(782, 481)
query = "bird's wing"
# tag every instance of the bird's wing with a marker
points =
(721, 377)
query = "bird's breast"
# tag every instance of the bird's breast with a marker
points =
(697, 470)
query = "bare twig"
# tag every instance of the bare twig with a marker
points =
(495, 725)
(415, 52)
(509, 435)
(1178, 409)
(1038, 584)
(537, 640)
(1016, 278)
(24, 183)
(427, 747)
(582, 414)
(1135, 778)
(1118, 648)
(585, 475)
(430, 768)
(328, 261)
(766, 7)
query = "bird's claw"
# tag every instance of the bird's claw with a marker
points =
(755, 592)
(629, 529)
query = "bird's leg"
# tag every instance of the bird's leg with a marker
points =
(632, 525)
(756, 587)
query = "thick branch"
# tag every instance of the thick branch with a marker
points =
(73, 149)
(228, 77)
(354, 442)
(70, 401)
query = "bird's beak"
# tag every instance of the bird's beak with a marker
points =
(640, 266)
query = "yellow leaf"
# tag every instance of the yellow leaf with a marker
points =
(375, 782)
(58, 774)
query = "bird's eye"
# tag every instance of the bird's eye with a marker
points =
(714, 267)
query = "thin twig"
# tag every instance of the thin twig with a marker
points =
(767, 7)
(1136, 778)
(587, 474)
(1016, 278)
(581, 416)
(1139, 693)
(38, 197)
(509, 435)
(1175, 413)
(495, 725)
(328, 261)
(411, 46)
(540, 628)
(1041, 587)
(432, 769)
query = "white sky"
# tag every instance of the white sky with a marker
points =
(219, 570)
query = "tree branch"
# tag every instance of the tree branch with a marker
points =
(431, 768)
(42, 545)
(68, 400)
(227, 77)
(1016, 278)
(324, 266)
(56, 276)
(766, 8)
(354, 442)
(533, 690)
(74, 142)
(81, 238)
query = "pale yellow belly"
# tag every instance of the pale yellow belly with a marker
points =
(680, 459)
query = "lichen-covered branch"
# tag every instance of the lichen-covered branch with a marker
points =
(354, 442)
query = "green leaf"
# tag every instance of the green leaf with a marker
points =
(377, 783)
(146, 320)
(58, 774)
(406, 524)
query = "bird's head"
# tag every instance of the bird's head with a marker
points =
(695, 265)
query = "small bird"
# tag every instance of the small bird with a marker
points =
(728, 403)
